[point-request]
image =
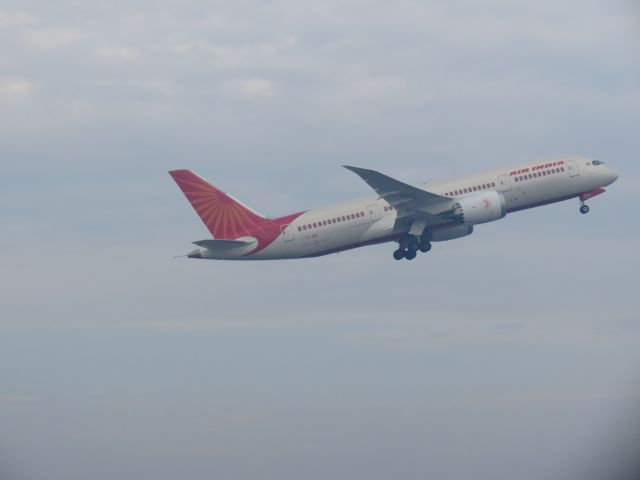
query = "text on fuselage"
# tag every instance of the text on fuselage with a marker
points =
(536, 168)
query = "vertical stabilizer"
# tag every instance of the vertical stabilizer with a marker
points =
(224, 216)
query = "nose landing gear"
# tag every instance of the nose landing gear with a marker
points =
(584, 208)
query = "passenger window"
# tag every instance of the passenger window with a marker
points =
(299, 229)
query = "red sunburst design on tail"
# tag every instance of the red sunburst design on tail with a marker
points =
(225, 217)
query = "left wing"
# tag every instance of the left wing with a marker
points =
(411, 203)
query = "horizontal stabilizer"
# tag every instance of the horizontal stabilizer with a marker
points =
(225, 244)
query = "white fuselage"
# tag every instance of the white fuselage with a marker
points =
(372, 220)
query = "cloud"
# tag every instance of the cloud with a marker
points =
(15, 88)
(350, 353)
(16, 19)
(53, 38)
(117, 54)
(11, 399)
(248, 88)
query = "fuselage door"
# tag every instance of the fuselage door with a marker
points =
(504, 183)
(573, 168)
(374, 212)
(287, 232)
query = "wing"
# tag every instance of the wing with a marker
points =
(411, 203)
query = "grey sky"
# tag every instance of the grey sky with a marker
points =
(512, 354)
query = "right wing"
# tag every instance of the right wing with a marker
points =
(411, 203)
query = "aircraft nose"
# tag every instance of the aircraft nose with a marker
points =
(612, 175)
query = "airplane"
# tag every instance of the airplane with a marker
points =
(411, 216)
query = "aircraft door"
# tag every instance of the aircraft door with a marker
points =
(504, 183)
(374, 212)
(287, 233)
(573, 168)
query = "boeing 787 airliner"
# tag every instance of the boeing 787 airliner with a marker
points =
(411, 216)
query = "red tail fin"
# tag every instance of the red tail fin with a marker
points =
(225, 217)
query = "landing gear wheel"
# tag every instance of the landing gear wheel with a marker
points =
(399, 254)
(584, 209)
(413, 246)
(425, 247)
(410, 254)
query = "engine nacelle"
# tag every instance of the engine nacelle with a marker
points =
(481, 207)
(451, 233)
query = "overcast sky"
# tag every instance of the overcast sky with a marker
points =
(511, 354)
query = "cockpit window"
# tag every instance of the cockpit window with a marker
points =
(597, 162)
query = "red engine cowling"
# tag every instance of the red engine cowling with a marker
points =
(481, 207)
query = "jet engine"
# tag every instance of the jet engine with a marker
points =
(481, 207)
(451, 233)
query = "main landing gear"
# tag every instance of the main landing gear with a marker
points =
(409, 248)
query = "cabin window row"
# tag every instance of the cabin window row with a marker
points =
(543, 173)
(330, 221)
(477, 188)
